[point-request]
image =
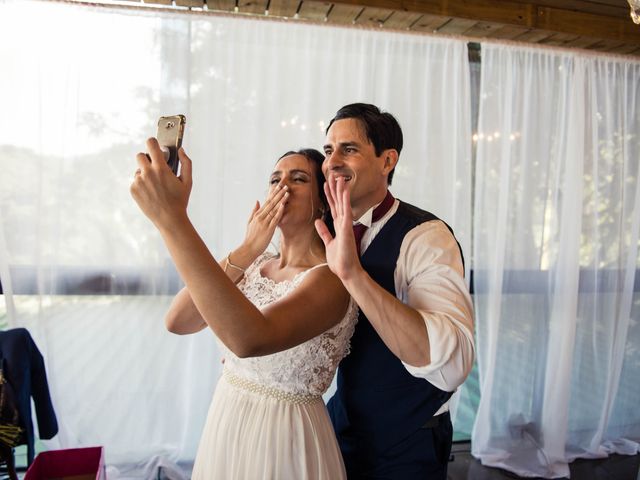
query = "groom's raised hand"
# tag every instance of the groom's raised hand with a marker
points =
(342, 255)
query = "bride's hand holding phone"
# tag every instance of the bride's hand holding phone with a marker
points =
(161, 196)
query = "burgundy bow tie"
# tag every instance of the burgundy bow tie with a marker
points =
(378, 213)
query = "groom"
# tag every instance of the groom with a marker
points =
(413, 344)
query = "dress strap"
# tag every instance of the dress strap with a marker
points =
(301, 275)
(316, 266)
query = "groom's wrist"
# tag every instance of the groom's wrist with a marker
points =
(351, 277)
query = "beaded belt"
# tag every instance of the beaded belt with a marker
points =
(266, 391)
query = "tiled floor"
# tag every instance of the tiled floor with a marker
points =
(616, 467)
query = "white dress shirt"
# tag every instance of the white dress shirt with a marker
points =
(429, 278)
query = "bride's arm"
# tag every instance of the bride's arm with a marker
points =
(316, 305)
(183, 316)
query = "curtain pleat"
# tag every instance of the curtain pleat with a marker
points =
(555, 258)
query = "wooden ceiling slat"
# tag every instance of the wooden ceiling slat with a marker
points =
(534, 36)
(523, 13)
(608, 2)
(313, 10)
(587, 24)
(344, 13)
(401, 20)
(221, 5)
(508, 32)
(614, 48)
(605, 45)
(388, 4)
(503, 11)
(602, 25)
(430, 23)
(456, 26)
(625, 49)
(615, 8)
(552, 42)
(190, 3)
(499, 12)
(283, 8)
(373, 17)
(564, 37)
(252, 6)
(559, 39)
(482, 29)
(582, 42)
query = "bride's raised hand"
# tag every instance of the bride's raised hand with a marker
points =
(264, 219)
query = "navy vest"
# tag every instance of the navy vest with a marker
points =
(378, 403)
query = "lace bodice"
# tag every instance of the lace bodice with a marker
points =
(307, 368)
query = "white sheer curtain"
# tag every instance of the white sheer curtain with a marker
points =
(557, 212)
(81, 88)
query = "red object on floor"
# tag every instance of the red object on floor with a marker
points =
(68, 464)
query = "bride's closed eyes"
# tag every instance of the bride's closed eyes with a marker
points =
(297, 177)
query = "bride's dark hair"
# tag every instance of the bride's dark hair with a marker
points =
(315, 159)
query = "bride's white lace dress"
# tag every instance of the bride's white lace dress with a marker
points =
(267, 419)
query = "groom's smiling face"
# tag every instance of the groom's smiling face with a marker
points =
(349, 154)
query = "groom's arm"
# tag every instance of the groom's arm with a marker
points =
(429, 277)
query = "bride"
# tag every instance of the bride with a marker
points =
(283, 321)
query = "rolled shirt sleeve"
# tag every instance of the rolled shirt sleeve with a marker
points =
(429, 277)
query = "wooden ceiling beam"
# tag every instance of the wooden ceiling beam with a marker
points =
(190, 3)
(222, 5)
(402, 20)
(256, 7)
(618, 9)
(588, 24)
(316, 11)
(284, 8)
(518, 14)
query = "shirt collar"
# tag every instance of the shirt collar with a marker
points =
(367, 217)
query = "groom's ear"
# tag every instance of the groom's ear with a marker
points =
(390, 160)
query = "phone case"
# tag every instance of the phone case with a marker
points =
(170, 133)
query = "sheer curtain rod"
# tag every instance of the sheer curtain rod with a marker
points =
(216, 13)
